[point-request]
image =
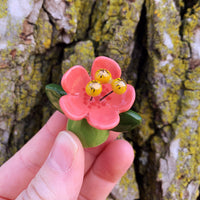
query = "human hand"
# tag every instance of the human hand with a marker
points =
(54, 166)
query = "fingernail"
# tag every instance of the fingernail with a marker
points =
(63, 152)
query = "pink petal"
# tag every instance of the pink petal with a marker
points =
(104, 118)
(122, 102)
(103, 62)
(75, 80)
(73, 107)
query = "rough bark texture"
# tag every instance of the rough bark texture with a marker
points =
(156, 43)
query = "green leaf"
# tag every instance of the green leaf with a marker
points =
(54, 92)
(88, 135)
(128, 121)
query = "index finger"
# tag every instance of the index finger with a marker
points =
(17, 172)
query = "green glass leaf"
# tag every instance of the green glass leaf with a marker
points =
(54, 92)
(88, 135)
(128, 121)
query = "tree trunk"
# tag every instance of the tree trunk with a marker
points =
(157, 45)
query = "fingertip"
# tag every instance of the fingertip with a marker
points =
(109, 167)
(63, 152)
(114, 161)
(126, 150)
(66, 151)
(57, 115)
(76, 139)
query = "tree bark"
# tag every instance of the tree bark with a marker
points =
(156, 43)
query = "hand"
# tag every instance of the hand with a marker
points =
(54, 166)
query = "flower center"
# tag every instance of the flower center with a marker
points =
(119, 86)
(94, 102)
(93, 88)
(103, 76)
(106, 95)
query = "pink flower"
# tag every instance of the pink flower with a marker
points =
(101, 114)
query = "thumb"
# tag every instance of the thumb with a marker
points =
(62, 173)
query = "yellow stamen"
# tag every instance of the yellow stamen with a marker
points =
(103, 76)
(119, 86)
(93, 88)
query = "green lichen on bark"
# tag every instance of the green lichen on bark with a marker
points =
(166, 70)
(146, 129)
(43, 33)
(24, 75)
(80, 54)
(190, 22)
(79, 17)
(187, 124)
(127, 188)
(84, 11)
(6, 89)
(3, 9)
(113, 28)
(188, 132)
(173, 86)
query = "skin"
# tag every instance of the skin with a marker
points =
(54, 165)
